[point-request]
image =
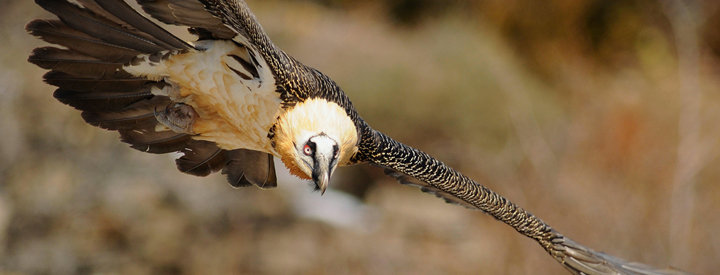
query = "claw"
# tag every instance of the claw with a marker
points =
(179, 117)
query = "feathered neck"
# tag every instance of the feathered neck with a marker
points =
(309, 118)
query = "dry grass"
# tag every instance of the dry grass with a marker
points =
(619, 158)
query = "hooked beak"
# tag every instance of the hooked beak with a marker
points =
(321, 172)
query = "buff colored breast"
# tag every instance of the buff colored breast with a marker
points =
(234, 112)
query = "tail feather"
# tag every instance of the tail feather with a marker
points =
(148, 139)
(242, 167)
(248, 167)
(201, 158)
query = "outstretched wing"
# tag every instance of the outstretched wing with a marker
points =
(414, 167)
(100, 37)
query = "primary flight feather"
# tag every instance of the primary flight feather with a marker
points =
(231, 100)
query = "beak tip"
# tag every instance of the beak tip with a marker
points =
(323, 184)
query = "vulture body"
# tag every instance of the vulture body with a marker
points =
(232, 100)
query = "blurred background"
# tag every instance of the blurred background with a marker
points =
(600, 117)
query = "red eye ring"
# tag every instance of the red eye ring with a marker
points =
(307, 150)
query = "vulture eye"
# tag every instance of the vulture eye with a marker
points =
(307, 150)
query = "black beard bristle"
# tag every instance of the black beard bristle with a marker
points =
(314, 186)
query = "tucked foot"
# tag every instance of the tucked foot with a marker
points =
(179, 117)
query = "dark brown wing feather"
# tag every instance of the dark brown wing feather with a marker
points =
(71, 82)
(102, 101)
(55, 31)
(74, 63)
(140, 115)
(102, 36)
(427, 188)
(124, 12)
(575, 257)
(102, 28)
(89, 72)
(187, 13)
(96, 9)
